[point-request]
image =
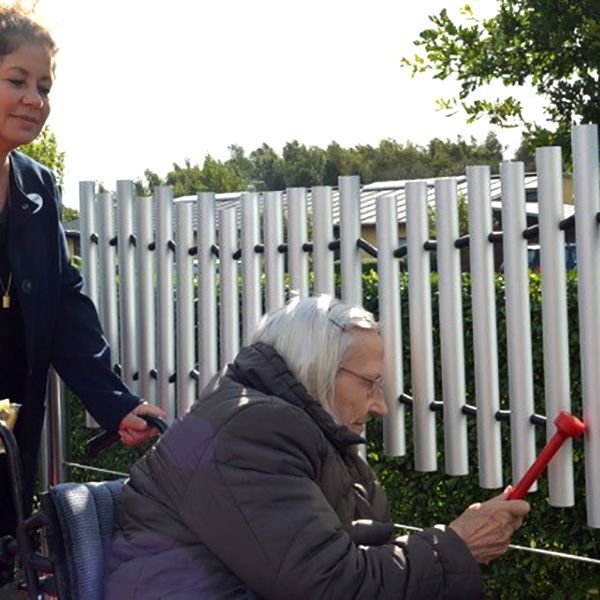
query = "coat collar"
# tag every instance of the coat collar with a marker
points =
(262, 368)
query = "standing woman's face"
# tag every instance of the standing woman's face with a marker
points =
(25, 83)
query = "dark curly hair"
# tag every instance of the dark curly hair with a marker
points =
(17, 26)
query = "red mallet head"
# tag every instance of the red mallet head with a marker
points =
(569, 425)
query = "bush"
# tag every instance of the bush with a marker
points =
(423, 499)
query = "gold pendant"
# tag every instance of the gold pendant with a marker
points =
(6, 301)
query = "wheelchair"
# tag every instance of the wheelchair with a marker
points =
(76, 521)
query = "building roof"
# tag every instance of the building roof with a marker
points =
(369, 195)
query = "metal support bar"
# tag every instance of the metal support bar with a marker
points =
(368, 248)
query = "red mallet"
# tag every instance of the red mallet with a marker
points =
(567, 426)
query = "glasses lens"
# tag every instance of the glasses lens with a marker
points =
(377, 387)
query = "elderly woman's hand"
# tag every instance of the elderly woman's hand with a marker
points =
(486, 527)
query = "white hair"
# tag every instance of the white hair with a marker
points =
(313, 337)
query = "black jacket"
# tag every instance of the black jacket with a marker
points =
(60, 323)
(253, 494)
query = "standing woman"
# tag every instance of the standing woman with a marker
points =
(44, 318)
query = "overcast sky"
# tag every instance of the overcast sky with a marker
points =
(142, 84)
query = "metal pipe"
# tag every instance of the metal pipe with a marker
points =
(273, 232)
(230, 327)
(184, 295)
(207, 289)
(421, 328)
(297, 235)
(587, 204)
(146, 298)
(89, 251)
(451, 328)
(518, 319)
(394, 440)
(126, 256)
(349, 234)
(251, 287)
(485, 338)
(165, 309)
(557, 389)
(322, 235)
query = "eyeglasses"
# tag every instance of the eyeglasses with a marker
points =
(375, 385)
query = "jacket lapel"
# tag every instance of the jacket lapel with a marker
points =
(22, 254)
(24, 204)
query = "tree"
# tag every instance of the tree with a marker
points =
(152, 181)
(267, 168)
(44, 149)
(240, 164)
(185, 180)
(303, 166)
(69, 214)
(450, 158)
(553, 45)
(219, 177)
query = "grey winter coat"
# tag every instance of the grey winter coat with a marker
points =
(253, 494)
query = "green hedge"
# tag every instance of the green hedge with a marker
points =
(423, 499)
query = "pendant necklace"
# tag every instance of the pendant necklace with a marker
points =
(6, 288)
(6, 292)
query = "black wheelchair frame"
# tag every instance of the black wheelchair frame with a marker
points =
(76, 522)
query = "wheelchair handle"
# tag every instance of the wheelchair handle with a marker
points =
(105, 439)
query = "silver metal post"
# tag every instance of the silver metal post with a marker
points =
(230, 321)
(184, 294)
(451, 328)
(554, 317)
(146, 297)
(322, 236)
(518, 319)
(421, 328)
(273, 231)
(207, 288)
(251, 290)
(394, 441)
(485, 339)
(297, 236)
(349, 235)
(587, 199)
(126, 255)
(89, 251)
(165, 309)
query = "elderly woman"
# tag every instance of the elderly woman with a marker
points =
(259, 492)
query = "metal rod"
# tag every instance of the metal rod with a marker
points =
(421, 327)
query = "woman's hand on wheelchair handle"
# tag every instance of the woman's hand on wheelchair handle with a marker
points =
(133, 430)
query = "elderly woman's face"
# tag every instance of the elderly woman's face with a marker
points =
(358, 392)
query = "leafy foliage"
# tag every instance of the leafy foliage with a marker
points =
(303, 166)
(553, 45)
(69, 214)
(44, 149)
(423, 499)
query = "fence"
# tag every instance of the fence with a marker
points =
(169, 337)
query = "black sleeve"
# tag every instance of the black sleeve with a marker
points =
(80, 352)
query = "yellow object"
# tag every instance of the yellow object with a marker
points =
(8, 416)
(8, 412)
